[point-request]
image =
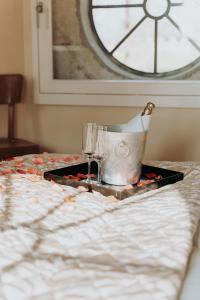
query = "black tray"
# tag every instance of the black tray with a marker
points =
(120, 192)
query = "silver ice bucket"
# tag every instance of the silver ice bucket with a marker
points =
(124, 154)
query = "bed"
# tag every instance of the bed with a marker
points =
(58, 242)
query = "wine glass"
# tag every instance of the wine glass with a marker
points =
(100, 149)
(88, 144)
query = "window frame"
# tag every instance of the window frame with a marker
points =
(164, 93)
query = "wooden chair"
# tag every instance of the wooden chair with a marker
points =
(10, 93)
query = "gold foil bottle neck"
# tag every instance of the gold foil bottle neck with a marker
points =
(148, 109)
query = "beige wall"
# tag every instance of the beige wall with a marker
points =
(174, 133)
(11, 49)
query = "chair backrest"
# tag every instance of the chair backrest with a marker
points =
(11, 86)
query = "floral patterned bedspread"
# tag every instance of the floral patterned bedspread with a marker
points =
(57, 242)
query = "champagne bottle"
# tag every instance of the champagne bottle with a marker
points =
(148, 109)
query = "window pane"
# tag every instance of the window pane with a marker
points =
(175, 51)
(137, 52)
(119, 22)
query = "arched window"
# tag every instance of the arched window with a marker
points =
(152, 38)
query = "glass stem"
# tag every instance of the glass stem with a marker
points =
(99, 171)
(89, 167)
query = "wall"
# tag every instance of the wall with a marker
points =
(174, 133)
(11, 50)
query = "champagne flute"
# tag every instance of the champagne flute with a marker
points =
(88, 144)
(100, 149)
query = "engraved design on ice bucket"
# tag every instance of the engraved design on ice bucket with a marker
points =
(124, 156)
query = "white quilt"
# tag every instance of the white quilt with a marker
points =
(91, 247)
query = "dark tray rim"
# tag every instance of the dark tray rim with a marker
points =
(168, 177)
